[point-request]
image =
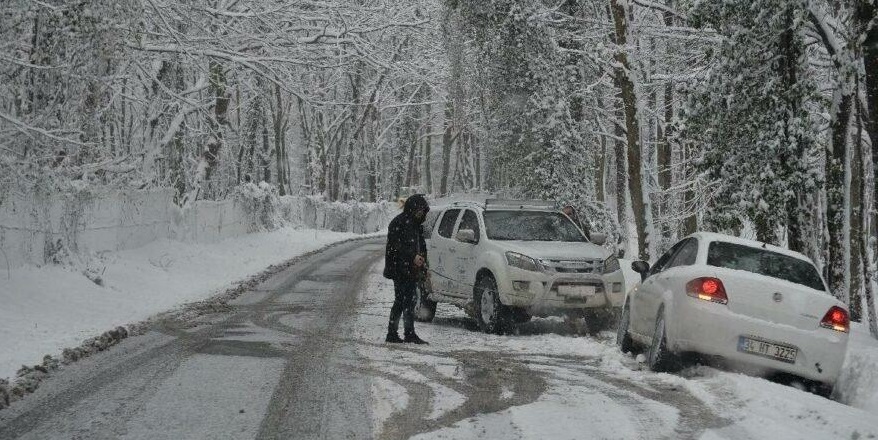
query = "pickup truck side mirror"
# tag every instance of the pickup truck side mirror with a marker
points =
(467, 236)
(598, 238)
(641, 267)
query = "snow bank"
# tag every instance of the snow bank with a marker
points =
(356, 217)
(78, 262)
(858, 384)
(46, 309)
(42, 228)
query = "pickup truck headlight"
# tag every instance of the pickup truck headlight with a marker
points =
(521, 261)
(611, 264)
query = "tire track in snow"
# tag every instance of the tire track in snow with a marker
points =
(695, 416)
(485, 375)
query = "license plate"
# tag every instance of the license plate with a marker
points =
(576, 291)
(758, 347)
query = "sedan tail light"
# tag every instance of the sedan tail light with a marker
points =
(708, 289)
(836, 319)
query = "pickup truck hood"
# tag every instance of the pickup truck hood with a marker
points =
(556, 250)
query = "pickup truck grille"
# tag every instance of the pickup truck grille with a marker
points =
(575, 266)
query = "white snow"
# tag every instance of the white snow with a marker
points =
(595, 392)
(758, 408)
(591, 389)
(46, 309)
(388, 397)
(858, 384)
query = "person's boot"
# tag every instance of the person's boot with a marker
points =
(412, 338)
(392, 337)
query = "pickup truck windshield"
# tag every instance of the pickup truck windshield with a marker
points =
(764, 262)
(531, 226)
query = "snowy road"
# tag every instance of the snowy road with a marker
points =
(302, 357)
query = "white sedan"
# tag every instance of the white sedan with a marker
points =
(759, 306)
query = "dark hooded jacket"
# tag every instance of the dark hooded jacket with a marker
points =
(405, 239)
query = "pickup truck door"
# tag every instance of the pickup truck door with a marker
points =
(465, 255)
(441, 254)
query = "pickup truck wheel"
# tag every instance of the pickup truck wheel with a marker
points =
(425, 309)
(490, 313)
(577, 323)
(623, 338)
(519, 315)
(597, 320)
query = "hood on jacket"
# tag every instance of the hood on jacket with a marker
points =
(415, 203)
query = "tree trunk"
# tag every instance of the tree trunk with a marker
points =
(790, 51)
(601, 172)
(372, 181)
(311, 175)
(410, 160)
(632, 128)
(690, 223)
(664, 162)
(218, 88)
(856, 231)
(265, 153)
(251, 139)
(865, 14)
(477, 165)
(621, 157)
(447, 142)
(836, 210)
(867, 228)
(836, 177)
(428, 151)
(280, 148)
(178, 147)
(665, 156)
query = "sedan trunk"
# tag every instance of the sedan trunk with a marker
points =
(774, 300)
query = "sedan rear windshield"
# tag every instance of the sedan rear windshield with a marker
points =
(764, 262)
(531, 226)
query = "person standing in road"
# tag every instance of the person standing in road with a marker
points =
(405, 259)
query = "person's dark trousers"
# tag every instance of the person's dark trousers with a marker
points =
(403, 304)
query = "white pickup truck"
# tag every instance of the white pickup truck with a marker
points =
(504, 261)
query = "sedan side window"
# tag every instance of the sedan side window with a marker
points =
(446, 226)
(664, 259)
(686, 255)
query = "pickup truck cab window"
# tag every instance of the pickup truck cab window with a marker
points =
(470, 221)
(531, 226)
(446, 226)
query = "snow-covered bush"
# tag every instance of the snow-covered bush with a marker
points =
(261, 204)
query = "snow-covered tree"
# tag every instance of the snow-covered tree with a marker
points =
(749, 116)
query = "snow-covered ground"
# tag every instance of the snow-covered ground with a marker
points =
(549, 384)
(859, 378)
(46, 309)
(542, 382)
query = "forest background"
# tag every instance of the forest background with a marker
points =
(656, 118)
